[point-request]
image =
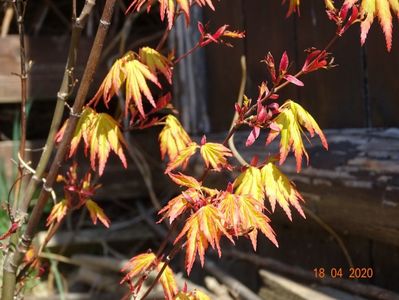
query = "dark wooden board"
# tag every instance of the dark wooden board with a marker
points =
(223, 64)
(382, 70)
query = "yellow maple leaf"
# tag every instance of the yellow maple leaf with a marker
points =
(194, 295)
(185, 180)
(249, 182)
(178, 205)
(280, 189)
(182, 158)
(244, 215)
(173, 138)
(290, 120)
(215, 155)
(100, 133)
(58, 212)
(141, 263)
(293, 6)
(257, 220)
(111, 84)
(156, 61)
(131, 71)
(168, 8)
(138, 264)
(382, 10)
(168, 282)
(96, 212)
(202, 228)
(371, 9)
(137, 75)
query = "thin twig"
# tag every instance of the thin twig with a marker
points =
(15, 255)
(240, 98)
(19, 8)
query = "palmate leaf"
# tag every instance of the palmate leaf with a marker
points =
(173, 138)
(215, 155)
(111, 84)
(137, 75)
(135, 72)
(101, 134)
(168, 282)
(380, 9)
(96, 212)
(176, 206)
(244, 215)
(194, 295)
(249, 182)
(142, 263)
(293, 6)
(372, 9)
(168, 8)
(202, 228)
(268, 180)
(155, 61)
(280, 189)
(290, 120)
(185, 180)
(182, 158)
(58, 212)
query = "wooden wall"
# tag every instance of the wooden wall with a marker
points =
(362, 91)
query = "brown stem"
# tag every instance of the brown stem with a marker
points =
(163, 39)
(14, 256)
(63, 94)
(19, 8)
(177, 60)
(168, 259)
(300, 73)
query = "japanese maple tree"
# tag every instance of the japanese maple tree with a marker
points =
(201, 215)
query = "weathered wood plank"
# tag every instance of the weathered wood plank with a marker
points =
(354, 187)
(48, 56)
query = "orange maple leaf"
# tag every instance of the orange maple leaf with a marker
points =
(204, 227)
(280, 189)
(111, 84)
(185, 180)
(289, 121)
(215, 155)
(100, 133)
(137, 75)
(179, 204)
(168, 7)
(173, 138)
(144, 262)
(132, 71)
(249, 182)
(96, 212)
(293, 6)
(58, 212)
(194, 295)
(244, 215)
(155, 61)
(381, 9)
(182, 158)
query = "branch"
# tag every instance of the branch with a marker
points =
(19, 8)
(15, 255)
(63, 94)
